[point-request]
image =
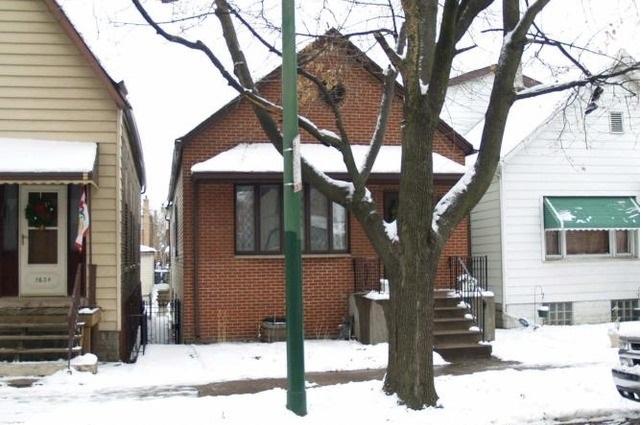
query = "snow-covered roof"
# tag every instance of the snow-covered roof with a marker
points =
(525, 117)
(46, 156)
(264, 158)
(145, 248)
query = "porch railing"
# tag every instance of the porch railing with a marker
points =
(468, 278)
(367, 272)
(72, 315)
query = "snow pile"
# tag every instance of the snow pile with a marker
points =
(87, 359)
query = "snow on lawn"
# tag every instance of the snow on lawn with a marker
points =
(496, 397)
(555, 345)
(580, 385)
(201, 364)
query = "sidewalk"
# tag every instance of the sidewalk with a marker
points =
(321, 379)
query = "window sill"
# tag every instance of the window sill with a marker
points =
(281, 256)
(588, 258)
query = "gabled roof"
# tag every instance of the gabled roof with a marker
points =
(357, 54)
(117, 91)
(487, 70)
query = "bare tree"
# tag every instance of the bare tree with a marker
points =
(420, 43)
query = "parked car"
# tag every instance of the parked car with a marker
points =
(627, 375)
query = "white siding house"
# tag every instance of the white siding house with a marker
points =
(555, 154)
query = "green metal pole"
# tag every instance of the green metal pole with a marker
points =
(296, 396)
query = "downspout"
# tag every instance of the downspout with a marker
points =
(195, 262)
(503, 248)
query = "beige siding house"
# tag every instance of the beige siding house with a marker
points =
(56, 98)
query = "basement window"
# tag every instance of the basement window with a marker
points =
(616, 122)
(560, 314)
(625, 310)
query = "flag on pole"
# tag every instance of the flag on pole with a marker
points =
(83, 221)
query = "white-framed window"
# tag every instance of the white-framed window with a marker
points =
(616, 122)
(598, 243)
(560, 314)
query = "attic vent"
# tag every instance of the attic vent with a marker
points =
(337, 93)
(616, 122)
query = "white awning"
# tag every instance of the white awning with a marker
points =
(264, 158)
(47, 161)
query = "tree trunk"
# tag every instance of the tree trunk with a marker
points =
(410, 367)
(409, 372)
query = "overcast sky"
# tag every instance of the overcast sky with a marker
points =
(172, 88)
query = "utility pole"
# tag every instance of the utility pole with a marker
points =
(296, 396)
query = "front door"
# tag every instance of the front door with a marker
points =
(43, 247)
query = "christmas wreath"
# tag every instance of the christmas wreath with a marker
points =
(41, 213)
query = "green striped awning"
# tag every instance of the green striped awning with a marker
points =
(591, 212)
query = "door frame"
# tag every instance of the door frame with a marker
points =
(62, 241)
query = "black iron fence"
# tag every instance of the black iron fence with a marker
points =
(468, 279)
(162, 322)
(367, 272)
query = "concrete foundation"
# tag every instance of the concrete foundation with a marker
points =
(369, 322)
(108, 346)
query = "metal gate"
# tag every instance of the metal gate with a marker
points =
(162, 320)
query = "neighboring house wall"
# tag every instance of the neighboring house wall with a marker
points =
(147, 272)
(130, 222)
(236, 292)
(565, 157)
(486, 238)
(177, 242)
(48, 91)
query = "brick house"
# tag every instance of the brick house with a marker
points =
(225, 205)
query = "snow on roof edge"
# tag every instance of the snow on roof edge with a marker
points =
(263, 157)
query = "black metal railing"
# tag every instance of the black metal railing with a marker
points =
(133, 312)
(468, 279)
(72, 315)
(367, 271)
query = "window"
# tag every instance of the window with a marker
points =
(611, 243)
(580, 242)
(259, 226)
(625, 310)
(616, 122)
(552, 240)
(560, 314)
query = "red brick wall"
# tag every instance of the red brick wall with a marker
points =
(235, 293)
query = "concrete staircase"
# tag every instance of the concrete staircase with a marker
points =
(36, 330)
(455, 335)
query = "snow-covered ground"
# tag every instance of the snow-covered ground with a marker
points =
(578, 385)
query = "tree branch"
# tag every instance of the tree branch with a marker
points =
(454, 206)
(592, 79)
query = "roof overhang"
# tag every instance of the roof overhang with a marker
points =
(34, 161)
(261, 161)
(591, 213)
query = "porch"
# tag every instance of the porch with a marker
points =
(46, 275)
(463, 310)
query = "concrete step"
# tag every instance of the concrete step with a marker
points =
(441, 293)
(36, 337)
(33, 311)
(459, 352)
(449, 312)
(31, 326)
(447, 337)
(37, 354)
(456, 323)
(446, 302)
